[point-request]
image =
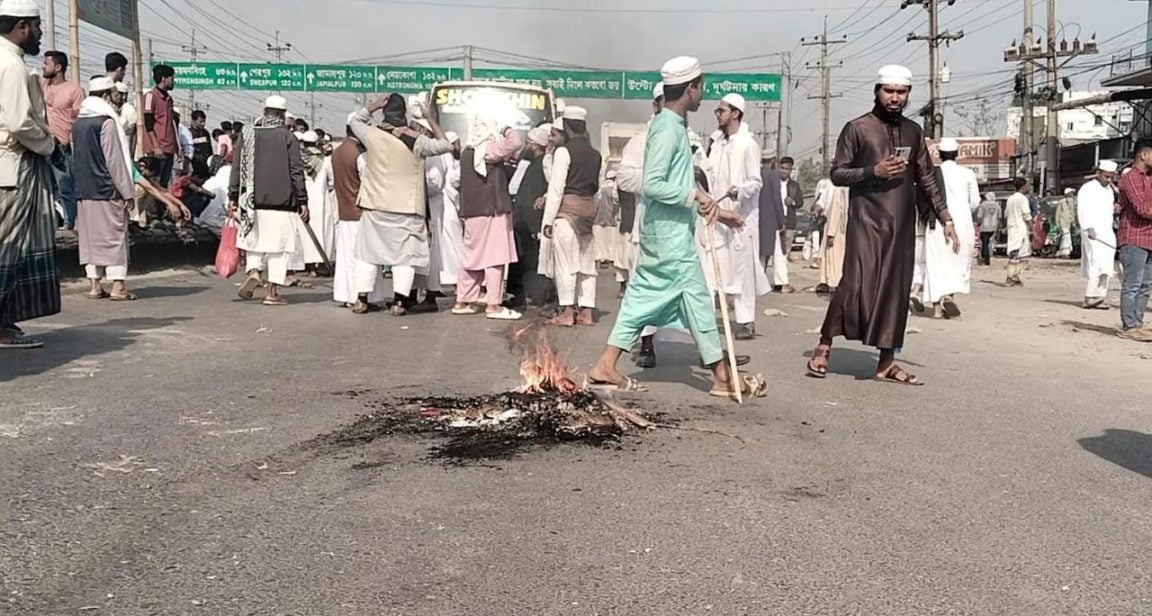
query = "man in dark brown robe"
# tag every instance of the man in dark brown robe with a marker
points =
(883, 160)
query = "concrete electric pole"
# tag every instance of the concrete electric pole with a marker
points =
(193, 50)
(1028, 54)
(826, 95)
(279, 49)
(933, 116)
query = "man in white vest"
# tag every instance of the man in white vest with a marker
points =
(1096, 202)
(734, 160)
(393, 230)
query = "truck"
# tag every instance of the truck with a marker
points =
(463, 106)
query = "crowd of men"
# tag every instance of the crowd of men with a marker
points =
(515, 216)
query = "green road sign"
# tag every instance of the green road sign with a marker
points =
(205, 75)
(631, 85)
(572, 84)
(331, 78)
(411, 79)
(277, 77)
(752, 86)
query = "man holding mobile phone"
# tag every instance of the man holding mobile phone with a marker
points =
(881, 156)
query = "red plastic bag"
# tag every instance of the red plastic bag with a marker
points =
(227, 256)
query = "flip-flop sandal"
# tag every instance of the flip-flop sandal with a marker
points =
(629, 385)
(127, 297)
(463, 311)
(506, 314)
(899, 376)
(818, 373)
(741, 360)
(20, 341)
(750, 387)
(916, 304)
(1094, 305)
(397, 311)
(951, 309)
(364, 308)
(103, 295)
(249, 287)
(299, 284)
(279, 301)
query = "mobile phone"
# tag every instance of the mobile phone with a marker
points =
(903, 152)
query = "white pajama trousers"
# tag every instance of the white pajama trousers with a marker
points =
(575, 266)
(116, 273)
(1097, 286)
(275, 264)
(777, 266)
(403, 278)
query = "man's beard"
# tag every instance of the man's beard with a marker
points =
(31, 47)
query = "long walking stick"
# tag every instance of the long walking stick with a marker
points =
(734, 377)
(319, 248)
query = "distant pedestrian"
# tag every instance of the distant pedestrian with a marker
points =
(1097, 204)
(1065, 218)
(63, 98)
(161, 138)
(988, 220)
(1018, 215)
(201, 143)
(116, 67)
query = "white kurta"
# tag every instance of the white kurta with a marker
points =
(735, 163)
(947, 272)
(568, 254)
(1018, 216)
(1096, 204)
(321, 214)
(446, 231)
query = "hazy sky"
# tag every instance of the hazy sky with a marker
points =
(632, 34)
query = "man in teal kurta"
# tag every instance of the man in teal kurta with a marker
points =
(668, 289)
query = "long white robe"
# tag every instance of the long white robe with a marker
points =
(947, 272)
(735, 163)
(321, 213)
(445, 229)
(1096, 204)
(1018, 216)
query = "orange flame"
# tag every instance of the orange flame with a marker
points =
(543, 370)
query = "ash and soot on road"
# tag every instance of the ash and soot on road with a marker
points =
(549, 408)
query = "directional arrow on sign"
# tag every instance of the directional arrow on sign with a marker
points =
(311, 77)
(244, 74)
(381, 78)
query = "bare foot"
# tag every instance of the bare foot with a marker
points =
(564, 319)
(586, 317)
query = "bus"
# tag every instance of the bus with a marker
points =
(461, 106)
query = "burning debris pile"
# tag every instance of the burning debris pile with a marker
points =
(548, 407)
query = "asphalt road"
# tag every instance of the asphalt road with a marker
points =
(153, 462)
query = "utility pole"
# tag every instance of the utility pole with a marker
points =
(1029, 53)
(467, 63)
(312, 106)
(782, 138)
(50, 22)
(933, 116)
(279, 49)
(826, 95)
(194, 51)
(74, 37)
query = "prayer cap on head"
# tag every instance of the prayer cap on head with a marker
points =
(121, 87)
(949, 144)
(575, 113)
(101, 84)
(680, 70)
(19, 8)
(611, 175)
(452, 137)
(735, 101)
(276, 102)
(658, 92)
(1107, 166)
(1069, 191)
(894, 75)
(539, 135)
(310, 136)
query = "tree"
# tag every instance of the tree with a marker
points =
(808, 173)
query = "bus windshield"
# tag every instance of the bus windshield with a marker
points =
(462, 107)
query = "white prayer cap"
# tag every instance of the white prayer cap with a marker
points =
(949, 144)
(575, 113)
(310, 136)
(558, 124)
(1069, 191)
(735, 101)
(348, 120)
(894, 75)
(1107, 166)
(121, 87)
(452, 137)
(539, 135)
(298, 136)
(175, 110)
(679, 70)
(611, 175)
(101, 84)
(991, 196)
(276, 102)
(561, 105)
(19, 8)
(658, 92)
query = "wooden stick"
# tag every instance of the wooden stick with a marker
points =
(319, 248)
(734, 377)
